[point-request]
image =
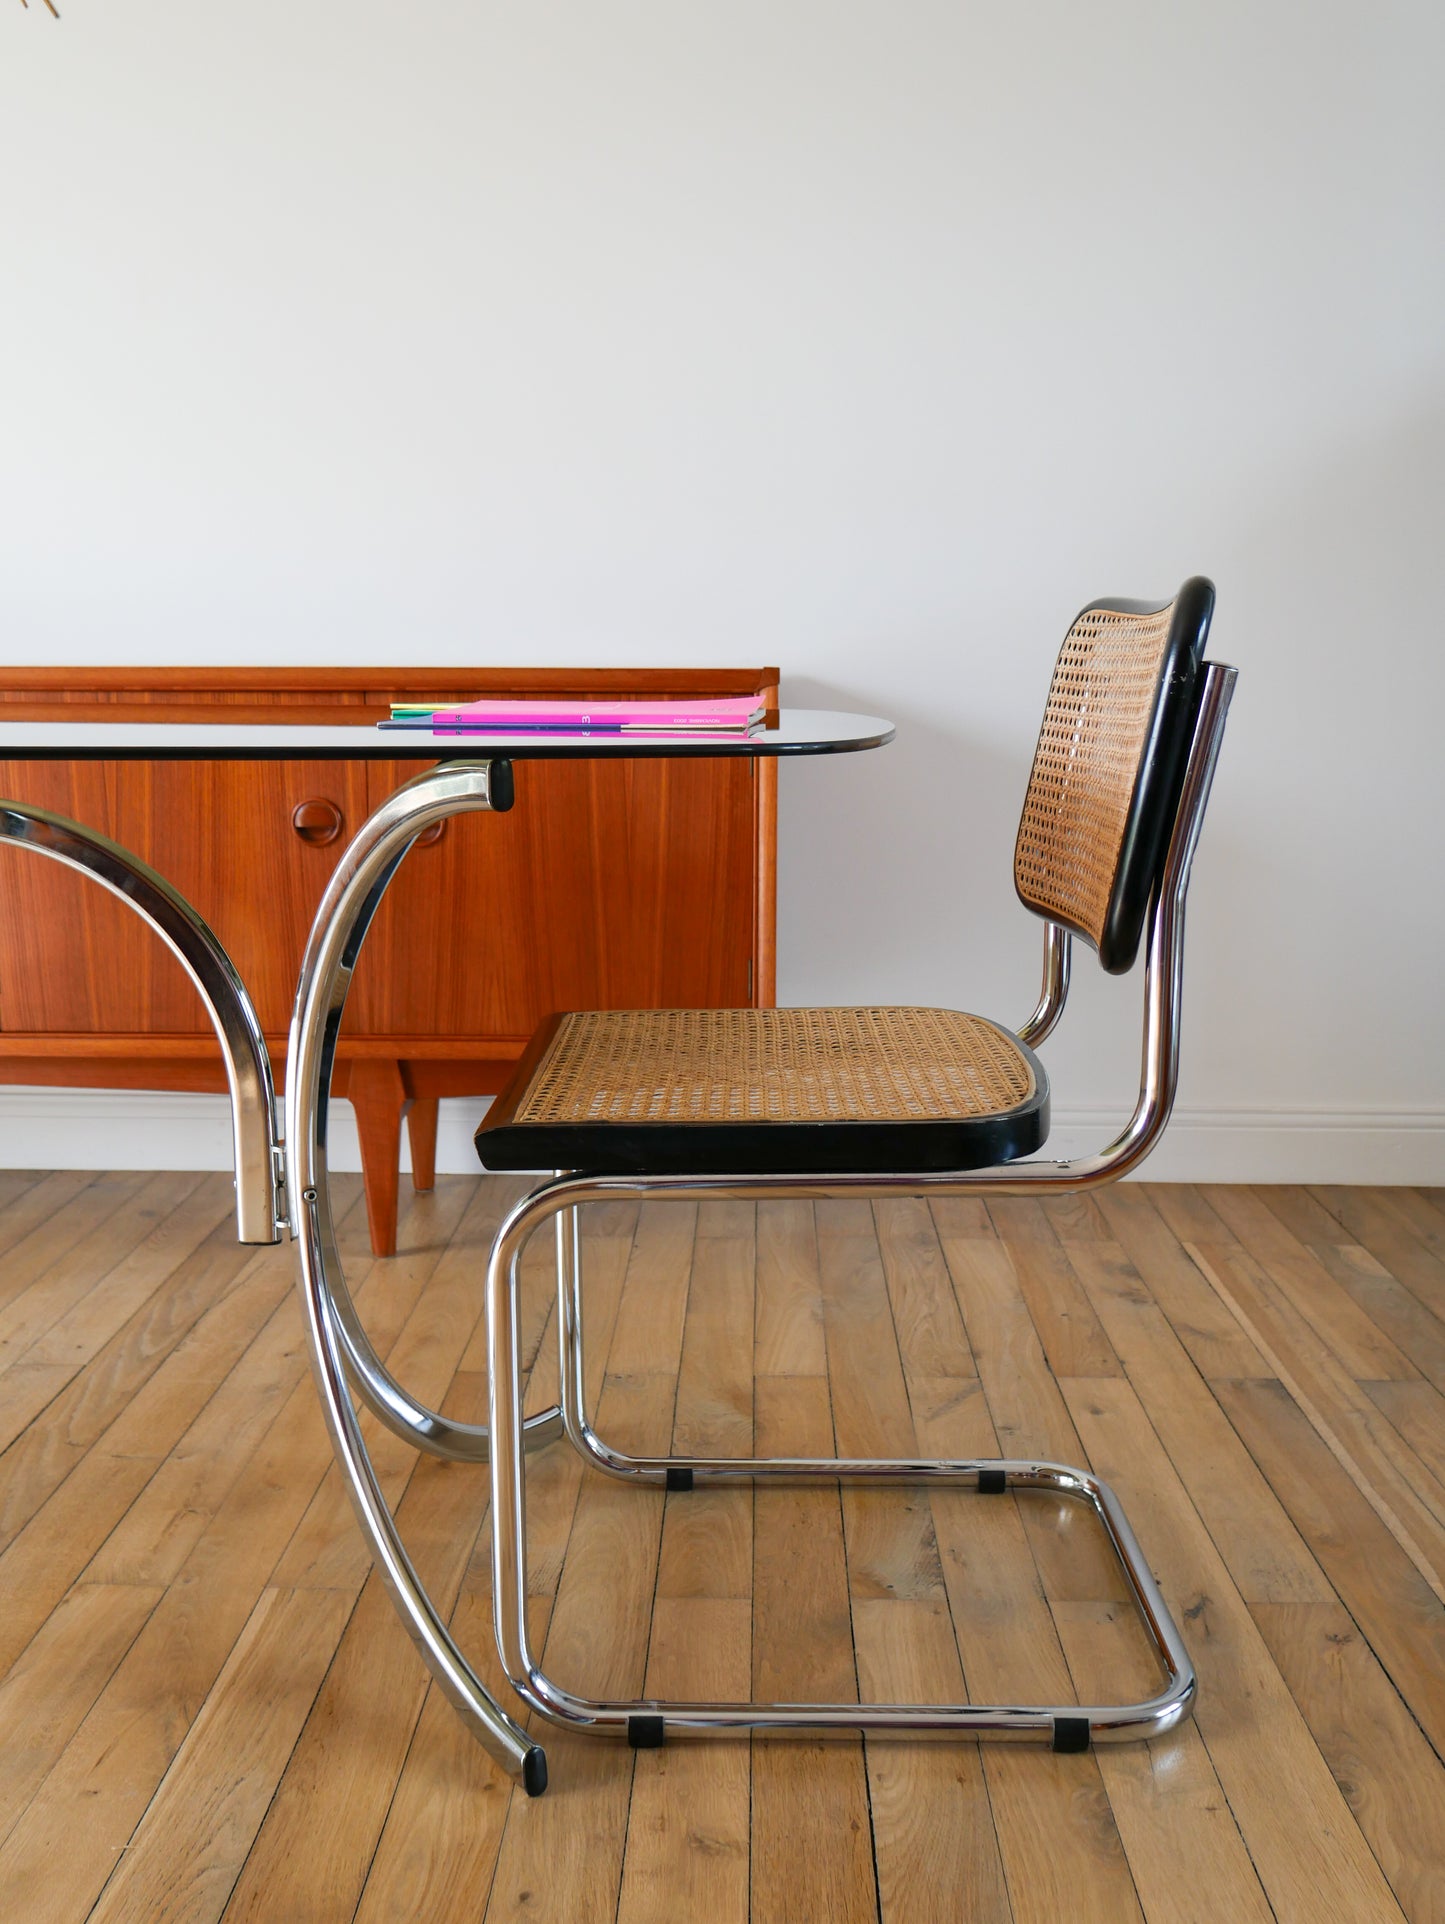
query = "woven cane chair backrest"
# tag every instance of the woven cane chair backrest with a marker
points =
(1105, 783)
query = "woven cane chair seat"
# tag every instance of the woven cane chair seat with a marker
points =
(723, 1091)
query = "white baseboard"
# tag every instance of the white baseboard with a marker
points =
(142, 1129)
(1265, 1145)
(147, 1129)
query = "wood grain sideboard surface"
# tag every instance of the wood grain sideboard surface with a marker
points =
(629, 884)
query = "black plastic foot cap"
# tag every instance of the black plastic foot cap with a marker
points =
(1071, 1734)
(501, 790)
(679, 1479)
(534, 1771)
(646, 1733)
(992, 1482)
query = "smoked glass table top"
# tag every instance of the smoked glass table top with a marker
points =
(799, 731)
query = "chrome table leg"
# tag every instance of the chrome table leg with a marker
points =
(343, 918)
(260, 1200)
(341, 1350)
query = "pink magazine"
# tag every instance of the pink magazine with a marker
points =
(726, 714)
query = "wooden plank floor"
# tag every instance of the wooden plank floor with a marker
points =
(208, 1711)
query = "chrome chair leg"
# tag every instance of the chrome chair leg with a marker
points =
(342, 1354)
(648, 1722)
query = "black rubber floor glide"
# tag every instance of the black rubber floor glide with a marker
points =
(992, 1482)
(679, 1479)
(1071, 1734)
(646, 1733)
(534, 1771)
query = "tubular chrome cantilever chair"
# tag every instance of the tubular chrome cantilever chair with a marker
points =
(692, 1104)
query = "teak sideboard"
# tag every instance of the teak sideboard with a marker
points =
(635, 884)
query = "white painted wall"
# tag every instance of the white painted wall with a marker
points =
(868, 338)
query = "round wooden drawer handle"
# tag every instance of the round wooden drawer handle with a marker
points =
(317, 821)
(430, 835)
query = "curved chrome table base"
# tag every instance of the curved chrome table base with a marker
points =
(339, 1343)
(260, 1200)
(346, 911)
(341, 1350)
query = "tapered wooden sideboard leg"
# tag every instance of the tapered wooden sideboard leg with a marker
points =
(378, 1095)
(421, 1130)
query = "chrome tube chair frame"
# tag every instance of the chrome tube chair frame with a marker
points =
(648, 1722)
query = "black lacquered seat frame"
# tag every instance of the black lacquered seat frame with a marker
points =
(859, 1145)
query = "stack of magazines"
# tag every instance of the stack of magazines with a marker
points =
(724, 715)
